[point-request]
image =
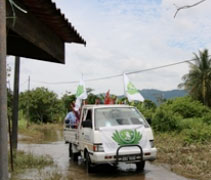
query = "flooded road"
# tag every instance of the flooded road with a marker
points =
(76, 171)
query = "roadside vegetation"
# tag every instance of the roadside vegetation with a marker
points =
(40, 133)
(24, 160)
(189, 160)
(183, 137)
(34, 163)
(183, 125)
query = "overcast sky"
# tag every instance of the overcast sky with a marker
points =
(122, 36)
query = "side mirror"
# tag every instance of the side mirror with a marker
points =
(87, 124)
(149, 121)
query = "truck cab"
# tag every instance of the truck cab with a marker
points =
(111, 134)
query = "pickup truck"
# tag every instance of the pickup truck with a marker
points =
(111, 134)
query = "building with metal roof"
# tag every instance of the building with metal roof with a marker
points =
(41, 32)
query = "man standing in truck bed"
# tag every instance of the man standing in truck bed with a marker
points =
(70, 119)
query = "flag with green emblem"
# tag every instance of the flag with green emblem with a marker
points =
(131, 92)
(80, 94)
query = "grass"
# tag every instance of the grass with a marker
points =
(39, 133)
(189, 160)
(27, 164)
(24, 161)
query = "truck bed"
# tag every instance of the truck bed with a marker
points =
(71, 135)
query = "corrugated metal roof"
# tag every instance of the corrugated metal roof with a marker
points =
(49, 14)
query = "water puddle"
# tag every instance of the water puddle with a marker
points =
(47, 136)
(71, 170)
(52, 144)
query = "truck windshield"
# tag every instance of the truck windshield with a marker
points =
(115, 116)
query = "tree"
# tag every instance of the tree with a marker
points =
(149, 104)
(198, 81)
(67, 99)
(41, 105)
(91, 98)
(147, 108)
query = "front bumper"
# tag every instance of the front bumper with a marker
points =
(128, 156)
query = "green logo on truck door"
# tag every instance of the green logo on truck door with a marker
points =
(127, 136)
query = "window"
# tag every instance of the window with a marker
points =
(105, 117)
(87, 118)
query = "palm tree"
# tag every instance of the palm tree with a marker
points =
(198, 81)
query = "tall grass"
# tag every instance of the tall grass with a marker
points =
(24, 160)
(27, 164)
(38, 133)
(190, 160)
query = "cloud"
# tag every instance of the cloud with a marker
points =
(125, 36)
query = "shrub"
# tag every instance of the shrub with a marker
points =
(190, 123)
(207, 119)
(187, 107)
(199, 134)
(147, 108)
(41, 105)
(180, 113)
(165, 120)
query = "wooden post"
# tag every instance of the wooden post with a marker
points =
(3, 95)
(15, 103)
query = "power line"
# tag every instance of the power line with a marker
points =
(54, 83)
(120, 74)
(159, 67)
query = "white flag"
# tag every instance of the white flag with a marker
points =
(130, 90)
(80, 94)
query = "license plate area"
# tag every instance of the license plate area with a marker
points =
(125, 158)
(120, 157)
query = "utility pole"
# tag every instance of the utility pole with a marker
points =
(15, 103)
(3, 95)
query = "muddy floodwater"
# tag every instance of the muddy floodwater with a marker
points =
(71, 170)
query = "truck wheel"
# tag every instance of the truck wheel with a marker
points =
(140, 166)
(89, 167)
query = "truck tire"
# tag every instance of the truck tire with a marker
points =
(89, 167)
(140, 166)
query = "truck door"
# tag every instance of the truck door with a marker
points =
(86, 130)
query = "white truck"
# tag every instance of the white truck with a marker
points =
(111, 134)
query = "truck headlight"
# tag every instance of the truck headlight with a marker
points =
(98, 148)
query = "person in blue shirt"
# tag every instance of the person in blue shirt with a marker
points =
(70, 119)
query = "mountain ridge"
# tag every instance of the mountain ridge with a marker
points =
(157, 96)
